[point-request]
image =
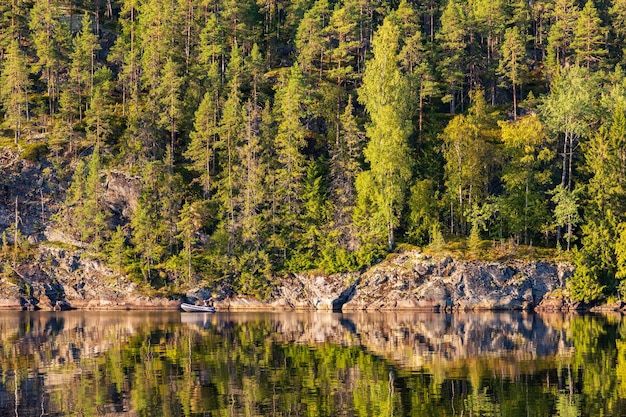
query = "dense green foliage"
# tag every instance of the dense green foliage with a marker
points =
(298, 135)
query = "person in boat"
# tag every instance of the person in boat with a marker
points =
(208, 302)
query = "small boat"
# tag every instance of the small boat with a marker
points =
(192, 308)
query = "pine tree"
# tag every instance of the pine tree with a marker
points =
(490, 18)
(451, 37)
(147, 235)
(415, 59)
(565, 13)
(228, 187)
(342, 30)
(14, 88)
(384, 93)
(125, 54)
(310, 41)
(99, 117)
(93, 215)
(82, 66)
(83, 213)
(254, 164)
(255, 66)
(211, 49)
(50, 39)
(512, 64)
(154, 222)
(159, 42)
(618, 22)
(116, 248)
(589, 38)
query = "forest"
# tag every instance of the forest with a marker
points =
(292, 135)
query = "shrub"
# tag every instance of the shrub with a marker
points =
(34, 151)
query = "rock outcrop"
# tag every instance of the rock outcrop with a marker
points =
(59, 273)
(414, 281)
(61, 278)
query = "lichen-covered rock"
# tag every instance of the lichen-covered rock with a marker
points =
(415, 281)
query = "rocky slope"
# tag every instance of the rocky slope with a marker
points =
(63, 278)
(415, 281)
(60, 274)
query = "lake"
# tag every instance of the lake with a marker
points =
(311, 364)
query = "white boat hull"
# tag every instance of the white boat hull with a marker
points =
(192, 308)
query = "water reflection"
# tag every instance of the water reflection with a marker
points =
(316, 364)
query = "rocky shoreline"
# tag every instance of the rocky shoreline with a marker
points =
(413, 281)
(59, 273)
(410, 281)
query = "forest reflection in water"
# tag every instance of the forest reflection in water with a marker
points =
(311, 364)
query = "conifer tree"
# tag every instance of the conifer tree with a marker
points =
(342, 30)
(125, 53)
(290, 164)
(512, 64)
(254, 164)
(84, 213)
(169, 93)
(50, 39)
(204, 136)
(618, 23)
(98, 117)
(211, 49)
(153, 35)
(565, 14)
(310, 40)
(345, 167)
(92, 220)
(191, 220)
(147, 234)
(451, 37)
(154, 222)
(589, 38)
(116, 248)
(415, 59)
(255, 66)
(490, 17)
(230, 132)
(82, 66)
(14, 88)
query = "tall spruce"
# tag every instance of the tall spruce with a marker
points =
(290, 163)
(14, 89)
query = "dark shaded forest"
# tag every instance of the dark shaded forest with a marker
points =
(295, 135)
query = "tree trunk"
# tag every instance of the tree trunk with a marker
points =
(514, 104)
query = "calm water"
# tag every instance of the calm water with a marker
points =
(311, 364)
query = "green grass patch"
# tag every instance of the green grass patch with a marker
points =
(497, 251)
(34, 151)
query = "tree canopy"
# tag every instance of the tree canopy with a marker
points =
(286, 136)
